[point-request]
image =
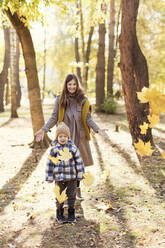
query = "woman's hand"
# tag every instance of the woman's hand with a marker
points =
(103, 133)
(39, 135)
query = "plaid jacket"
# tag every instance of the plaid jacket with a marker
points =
(65, 170)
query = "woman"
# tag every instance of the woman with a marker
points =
(73, 108)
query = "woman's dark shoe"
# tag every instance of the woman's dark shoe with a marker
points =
(71, 215)
(78, 194)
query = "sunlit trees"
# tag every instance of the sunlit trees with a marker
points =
(100, 66)
(111, 50)
(13, 77)
(6, 64)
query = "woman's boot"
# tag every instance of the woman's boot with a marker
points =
(78, 194)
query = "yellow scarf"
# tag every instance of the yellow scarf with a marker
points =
(85, 109)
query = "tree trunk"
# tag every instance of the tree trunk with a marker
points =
(84, 82)
(18, 93)
(111, 51)
(44, 69)
(134, 71)
(76, 46)
(6, 64)
(13, 74)
(77, 57)
(100, 67)
(31, 72)
(88, 51)
(7, 93)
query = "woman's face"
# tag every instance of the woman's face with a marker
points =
(72, 86)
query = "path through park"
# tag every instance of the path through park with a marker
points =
(125, 209)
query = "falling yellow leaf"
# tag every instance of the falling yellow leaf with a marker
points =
(65, 154)
(155, 98)
(153, 119)
(88, 179)
(60, 197)
(163, 155)
(55, 160)
(143, 148)
(144, 128)
(142, 96)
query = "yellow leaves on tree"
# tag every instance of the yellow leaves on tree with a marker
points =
(65, 154)
(88, 179)
(60, 197)
(143, 148)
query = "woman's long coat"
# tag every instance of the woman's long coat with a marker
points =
(73, 119)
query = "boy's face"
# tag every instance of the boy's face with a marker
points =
(62, 138)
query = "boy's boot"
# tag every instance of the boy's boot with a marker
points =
(60, 215)
(78, 194)
(71, 215)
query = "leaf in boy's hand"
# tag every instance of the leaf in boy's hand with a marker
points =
(88, 179)
(60, 197)
(65, 154)
(55, 160)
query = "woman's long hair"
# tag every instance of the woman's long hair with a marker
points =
(79, 94)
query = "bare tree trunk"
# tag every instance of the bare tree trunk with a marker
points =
(134, 71)
(6, 64)
(100, 67)
(44, 69)
(77, 56)
(76, 46)
(111, 51)
(13, 79)
(117, 27)
(31, 72)
(84, 82)
(18, 92)
(7, 93)
(88, 51)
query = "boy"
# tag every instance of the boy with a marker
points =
(66, 172)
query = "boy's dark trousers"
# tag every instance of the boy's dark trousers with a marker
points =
(71, 194)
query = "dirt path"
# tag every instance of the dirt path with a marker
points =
(123, 210)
